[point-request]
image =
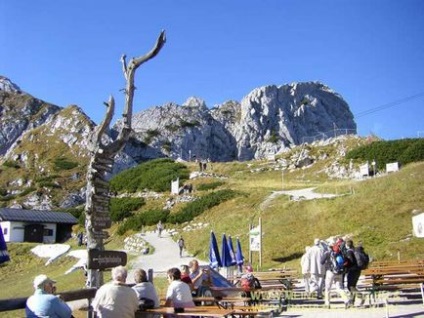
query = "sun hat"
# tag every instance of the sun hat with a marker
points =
(42, 279)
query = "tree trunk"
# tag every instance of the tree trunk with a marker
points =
(102, 159)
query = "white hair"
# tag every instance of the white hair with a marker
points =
(119, 273)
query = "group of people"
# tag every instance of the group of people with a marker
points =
(118, 299)
(328, 264)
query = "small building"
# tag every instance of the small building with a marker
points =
(37, 226)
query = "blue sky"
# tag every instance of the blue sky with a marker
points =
(370, 52)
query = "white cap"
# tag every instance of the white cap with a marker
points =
(40, 280)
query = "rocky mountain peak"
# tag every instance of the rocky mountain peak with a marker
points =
(195, 102)
(8, 86)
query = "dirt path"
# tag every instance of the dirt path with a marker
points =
(297, 195)
(166, 255)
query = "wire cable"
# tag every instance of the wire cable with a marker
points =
(388, 105)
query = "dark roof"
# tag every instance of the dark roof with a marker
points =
(36, 216)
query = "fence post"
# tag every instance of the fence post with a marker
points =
(150, 275)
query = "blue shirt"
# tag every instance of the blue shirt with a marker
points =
(46, 305)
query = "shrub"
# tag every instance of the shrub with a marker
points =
(209, 186)
(189, 124)
(136, 222)
(155, 175)
(150, 134)
(77, 213)
(121, 208)
(64, 164)
(26, 191)
(403, 151)
(11, 164)
(274, 138)
(195, 208)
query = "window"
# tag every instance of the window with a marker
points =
(5, 231)
(48, 232)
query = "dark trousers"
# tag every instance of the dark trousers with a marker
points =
(352, 280)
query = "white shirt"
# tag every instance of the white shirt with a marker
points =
(180, 294)
(147, 290)
(115, 300)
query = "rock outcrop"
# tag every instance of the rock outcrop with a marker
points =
(269, 120)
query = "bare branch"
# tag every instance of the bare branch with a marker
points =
(160, 42)
(101, 128)
(124, 65)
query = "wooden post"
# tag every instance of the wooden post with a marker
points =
(97, 213)
(150, 275)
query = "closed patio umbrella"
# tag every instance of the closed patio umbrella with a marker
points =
(214, 258)
(239, 256)
(4, 255)
(231, 251)
(226, 259)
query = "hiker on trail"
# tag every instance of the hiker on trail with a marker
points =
(354, 270)
(316, 268)
(181, 245)
(333, 275)
(159, 227)
(80, 238)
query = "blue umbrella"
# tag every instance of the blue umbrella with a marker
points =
(225, 253)
(4, 255)
(215, 260)
(239, 256)
(231, 250)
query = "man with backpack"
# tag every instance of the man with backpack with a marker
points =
(353, 271)
(335, 265)
(362, 261)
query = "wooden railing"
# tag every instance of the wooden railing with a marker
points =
(19, 303)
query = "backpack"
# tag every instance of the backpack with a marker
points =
(249, 282)
(362, 258)
(339, 260)
(146, 303)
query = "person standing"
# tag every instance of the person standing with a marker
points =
(304, 264)
(316, 268)
(332, 276)
(80, 237)
(353, 272)
(44, 302)
(362, 261)
(181, 245)
(159, 227)
(116, 299)
(178, 294)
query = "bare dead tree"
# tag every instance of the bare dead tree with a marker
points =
(97, 213)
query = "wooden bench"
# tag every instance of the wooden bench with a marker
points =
(394, 275)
